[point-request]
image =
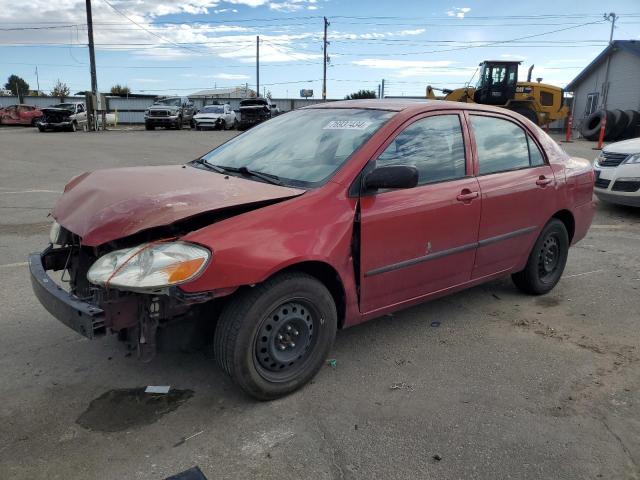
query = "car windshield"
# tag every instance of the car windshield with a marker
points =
(303, 148)
(66, 106)
(173, 102)
(213, 109)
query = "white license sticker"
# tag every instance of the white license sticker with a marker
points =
(347, 125)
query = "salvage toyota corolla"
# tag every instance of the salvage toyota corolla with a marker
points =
(316, 220)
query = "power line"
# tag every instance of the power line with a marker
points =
(149, 31)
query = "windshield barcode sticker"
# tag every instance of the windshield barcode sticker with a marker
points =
(347, 125)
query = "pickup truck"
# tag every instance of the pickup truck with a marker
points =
(68, 116)
(172, 112)
(254, 111)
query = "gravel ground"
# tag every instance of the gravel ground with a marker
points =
(508, 386)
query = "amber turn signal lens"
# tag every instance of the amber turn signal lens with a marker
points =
(180, 272)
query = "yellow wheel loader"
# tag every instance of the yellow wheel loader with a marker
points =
(498, 85)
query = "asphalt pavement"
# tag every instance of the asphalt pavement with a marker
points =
(484, 384)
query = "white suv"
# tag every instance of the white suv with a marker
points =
(617, 172)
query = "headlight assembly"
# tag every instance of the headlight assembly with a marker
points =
(633, 159)
(149, 266)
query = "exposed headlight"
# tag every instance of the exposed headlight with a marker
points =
(149, 266)
(54, 233)
(633, 159)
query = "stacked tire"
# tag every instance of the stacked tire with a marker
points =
(620, 124)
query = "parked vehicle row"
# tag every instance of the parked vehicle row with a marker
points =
(176, 112)
(320, 219)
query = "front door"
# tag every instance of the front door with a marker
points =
(420, 240)
(518, 193)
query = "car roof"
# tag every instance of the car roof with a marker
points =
(409, 104)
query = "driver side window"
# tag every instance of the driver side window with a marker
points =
(434, 145)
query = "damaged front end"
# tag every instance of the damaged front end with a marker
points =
(146, 317)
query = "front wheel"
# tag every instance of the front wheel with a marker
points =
(73, 127)
(274, 337)
(546, 260)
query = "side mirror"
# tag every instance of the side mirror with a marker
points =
(393, 176)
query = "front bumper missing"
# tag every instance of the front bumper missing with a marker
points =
(85, 318)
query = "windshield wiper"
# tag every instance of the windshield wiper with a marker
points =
(208, 166)
(267, 177)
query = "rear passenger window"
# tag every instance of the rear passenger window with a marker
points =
(433, 145)
(502, 145)
(536, 158)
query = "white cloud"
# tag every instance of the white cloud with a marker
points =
(293, 5)
(180, 40)
(337, 35)
(458, 12)
(416, 68)
(230, 76)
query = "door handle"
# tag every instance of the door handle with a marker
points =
(543, 181)
(466, 196)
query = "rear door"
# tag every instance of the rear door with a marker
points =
(518, 192)
(420, 240)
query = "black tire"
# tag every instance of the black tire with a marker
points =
(179, 124)
(546, 261)
(192, 123)
(149, 127)
(235, 124)
(590, 128)
(526, 112)
(256, 335)
(633, 124)
(42, 129)
(619, 124)
(73, 127)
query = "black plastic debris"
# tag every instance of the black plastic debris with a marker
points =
(194, 473)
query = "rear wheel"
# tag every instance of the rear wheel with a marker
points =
(546, 261)
(273, 338)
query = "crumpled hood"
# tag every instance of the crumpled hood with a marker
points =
(105, 205)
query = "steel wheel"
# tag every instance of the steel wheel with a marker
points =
(546, 261)
(274, 337)
(284, 340)
(548, 257)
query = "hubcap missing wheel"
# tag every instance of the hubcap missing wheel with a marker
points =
(284, 337)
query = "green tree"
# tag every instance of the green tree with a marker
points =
(60, 89)
(17, 85)
(361, 94)
(121, 90)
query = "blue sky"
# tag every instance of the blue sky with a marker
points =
(165, 46)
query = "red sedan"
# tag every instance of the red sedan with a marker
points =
(314, 221)
(20, 115)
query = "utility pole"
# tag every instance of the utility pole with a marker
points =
(382, 89)
(612, 17)
(258, 66)
(37, 81)
(326, 59)
(92, 61)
